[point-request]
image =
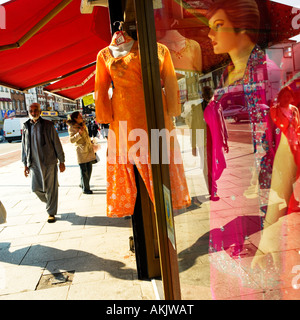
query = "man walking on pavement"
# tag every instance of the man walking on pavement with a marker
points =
(41, 148)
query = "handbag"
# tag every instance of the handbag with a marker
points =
(97, 159)
(2, 213)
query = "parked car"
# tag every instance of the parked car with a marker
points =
(12, 128)
(238, 112)
(1, 135)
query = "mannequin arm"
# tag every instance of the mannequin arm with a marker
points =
(283, 178)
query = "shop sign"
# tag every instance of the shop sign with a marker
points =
(49, 113)
(87, 100)
(21, 113)
(5, 114)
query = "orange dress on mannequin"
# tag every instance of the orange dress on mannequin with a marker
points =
(125, 111)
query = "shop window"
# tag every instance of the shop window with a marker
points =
(238, 139)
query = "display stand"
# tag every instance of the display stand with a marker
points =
(144, 233)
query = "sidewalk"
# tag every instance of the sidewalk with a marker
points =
(84, 255)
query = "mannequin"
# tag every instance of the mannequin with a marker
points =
(231, 31)
(281, 224)
(125, 111)
(173, 40)
(186, 53)
(187, 59)
(119, 64)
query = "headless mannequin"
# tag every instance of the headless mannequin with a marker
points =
(173, 40)
(122, 49)
(186, 53)
(119, 50)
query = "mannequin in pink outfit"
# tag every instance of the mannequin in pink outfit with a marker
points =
(232, 31)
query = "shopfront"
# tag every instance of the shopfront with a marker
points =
(224, 189)
(202, 100)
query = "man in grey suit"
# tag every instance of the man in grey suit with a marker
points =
(41, 150)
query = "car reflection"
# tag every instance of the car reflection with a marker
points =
(238, 112)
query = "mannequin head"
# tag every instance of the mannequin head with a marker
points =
(232, 22)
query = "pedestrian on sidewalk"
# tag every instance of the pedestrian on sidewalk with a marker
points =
(41, 148)
(104, 130)
(79, 135)
(95, 129)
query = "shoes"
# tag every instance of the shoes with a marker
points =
(51, 219)
(131, 244)
(88, 192)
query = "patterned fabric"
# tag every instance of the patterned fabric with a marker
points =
(125, 111)
(290, 126)
(188, 58)
(256, 92)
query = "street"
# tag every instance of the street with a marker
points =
(239, 131)
(11, 152)
(83, 246)
(93, 251)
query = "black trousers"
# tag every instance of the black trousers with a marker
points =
(86, 172)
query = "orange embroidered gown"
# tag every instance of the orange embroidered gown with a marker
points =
(125, 111)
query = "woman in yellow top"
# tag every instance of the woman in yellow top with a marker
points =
(79, 135)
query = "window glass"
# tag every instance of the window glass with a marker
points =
(238, 74)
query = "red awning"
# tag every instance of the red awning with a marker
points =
(67, 45)
(69, 42)
(75, 85)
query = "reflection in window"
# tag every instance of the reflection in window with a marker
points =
(234, 61)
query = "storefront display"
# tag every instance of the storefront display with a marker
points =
(119, 65)
(228, 248)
